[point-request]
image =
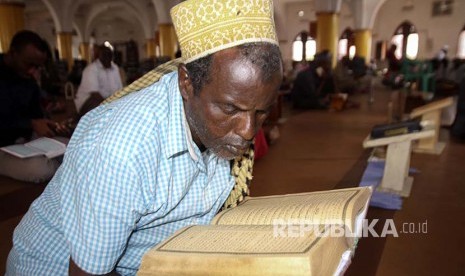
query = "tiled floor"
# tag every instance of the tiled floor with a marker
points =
(321, 150)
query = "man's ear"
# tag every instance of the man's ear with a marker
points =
(185, 83)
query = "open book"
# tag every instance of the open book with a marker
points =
(43, 146)
(296, 234)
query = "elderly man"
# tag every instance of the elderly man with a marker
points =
(99, 81)
(141, 167)
(21, 115)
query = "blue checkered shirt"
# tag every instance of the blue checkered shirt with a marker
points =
(131, 177)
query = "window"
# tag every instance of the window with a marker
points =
(398, 41)
(406, 38)
(310, 49)
(299, 52)
(442, 7)
(461, 46)
(346, 45)
(352, 50)
(342, 48)
(297, 49)
(412, 46)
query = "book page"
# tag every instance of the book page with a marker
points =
(326, 207)
(22, 151)
(51, 147)
(238, 239)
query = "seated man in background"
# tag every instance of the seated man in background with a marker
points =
(100, 80)
(141, 167)
(359, 68)
(22, 117)
(351, 75)
(313, 85)
(448, 84)
(344, 77)
(458, 127)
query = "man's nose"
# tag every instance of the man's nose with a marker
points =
(247, 126)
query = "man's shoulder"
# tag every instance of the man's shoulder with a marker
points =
(155, 93)
(114, 66)
(92, 67)
(149, 104)
(154, 101)
(145, 114)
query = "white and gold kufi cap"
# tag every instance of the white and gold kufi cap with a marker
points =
(204, 27)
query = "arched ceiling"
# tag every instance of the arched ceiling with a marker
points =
(116, 9)
(114, 25)
(81, 15)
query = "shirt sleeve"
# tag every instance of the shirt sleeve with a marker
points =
(89, 83)
(101, 204)
(119, 81)
(35, 107)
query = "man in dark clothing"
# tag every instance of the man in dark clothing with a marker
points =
(21, 115)
(392, 78)
(394, 63)
(313, 85)
(20, 109)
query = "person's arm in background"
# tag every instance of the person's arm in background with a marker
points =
(14, 124)
(43, 127)
(40, 125)
(88, 90)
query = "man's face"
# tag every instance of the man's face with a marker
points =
(106, 56)
(230, 109)
(27, 61)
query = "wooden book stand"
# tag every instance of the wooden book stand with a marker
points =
(395, 178)
(431, 114)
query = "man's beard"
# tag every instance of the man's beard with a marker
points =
(218, 146)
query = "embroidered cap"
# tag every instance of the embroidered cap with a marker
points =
(204, 27)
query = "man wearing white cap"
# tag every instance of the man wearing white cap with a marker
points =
(141, 167)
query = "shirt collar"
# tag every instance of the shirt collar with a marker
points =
(179, 135)
(190, 142)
